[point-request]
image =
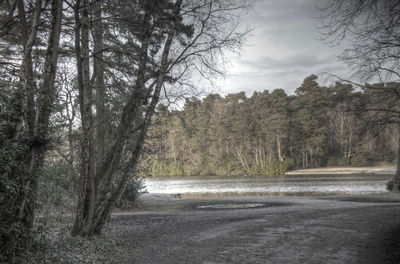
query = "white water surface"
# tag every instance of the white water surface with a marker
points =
(291, 184)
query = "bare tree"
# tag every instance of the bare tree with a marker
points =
(372, 29)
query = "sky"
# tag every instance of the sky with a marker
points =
(283, 48)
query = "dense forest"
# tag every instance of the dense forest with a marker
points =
(271, 132)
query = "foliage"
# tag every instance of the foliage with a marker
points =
(27, 95)
(56, 188)
(270, 132)
(12, 171)
(162, 168)
(389, 185)
(277, 168)
(135, 186)
(53, 244)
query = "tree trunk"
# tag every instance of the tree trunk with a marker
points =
(85, 212)
(350, 142)
(28, 181)
(100, 143)
(396, 176)
(306, 152)
(99, 86)
(278, 146)
(44, 108)
(243, 162)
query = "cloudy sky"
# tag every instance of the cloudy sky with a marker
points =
(284, 47)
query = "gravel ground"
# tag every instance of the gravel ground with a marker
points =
(341, 229)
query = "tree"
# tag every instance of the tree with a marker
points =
(153, 50)
(279, 104)
(372, 29)
(344, 125)
(311, 102)
(25, 114)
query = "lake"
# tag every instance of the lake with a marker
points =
(292, 184)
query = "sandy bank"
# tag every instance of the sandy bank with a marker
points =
(345, 170)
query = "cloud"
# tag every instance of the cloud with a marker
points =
(283, 49)
(288, 74)
(269, 13)
(299, 60)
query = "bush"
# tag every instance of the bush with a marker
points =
(389, 185)
(277, 168)
(228, 166)
(339, 161)
(56, 188)
(134, 188)
(176, 169)
(159, 168)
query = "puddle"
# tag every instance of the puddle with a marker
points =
(231, 206)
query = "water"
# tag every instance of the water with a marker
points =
(283, 185)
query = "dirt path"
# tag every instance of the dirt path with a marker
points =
(362, 229)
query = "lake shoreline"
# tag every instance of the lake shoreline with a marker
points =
(374, 170)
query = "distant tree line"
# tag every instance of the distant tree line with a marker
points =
(271, 132)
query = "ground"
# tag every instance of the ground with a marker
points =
(341, 229)
(361, 229)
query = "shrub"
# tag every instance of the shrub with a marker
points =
(175, 169)
(56, 187)
(339, 161)
(277, 168)
(135, 186)
(389, 185)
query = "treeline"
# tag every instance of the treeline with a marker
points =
(271, 132)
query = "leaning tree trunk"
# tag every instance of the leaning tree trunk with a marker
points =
(84, 224)
(105, 210)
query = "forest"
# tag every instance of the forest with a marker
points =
(272, 132)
